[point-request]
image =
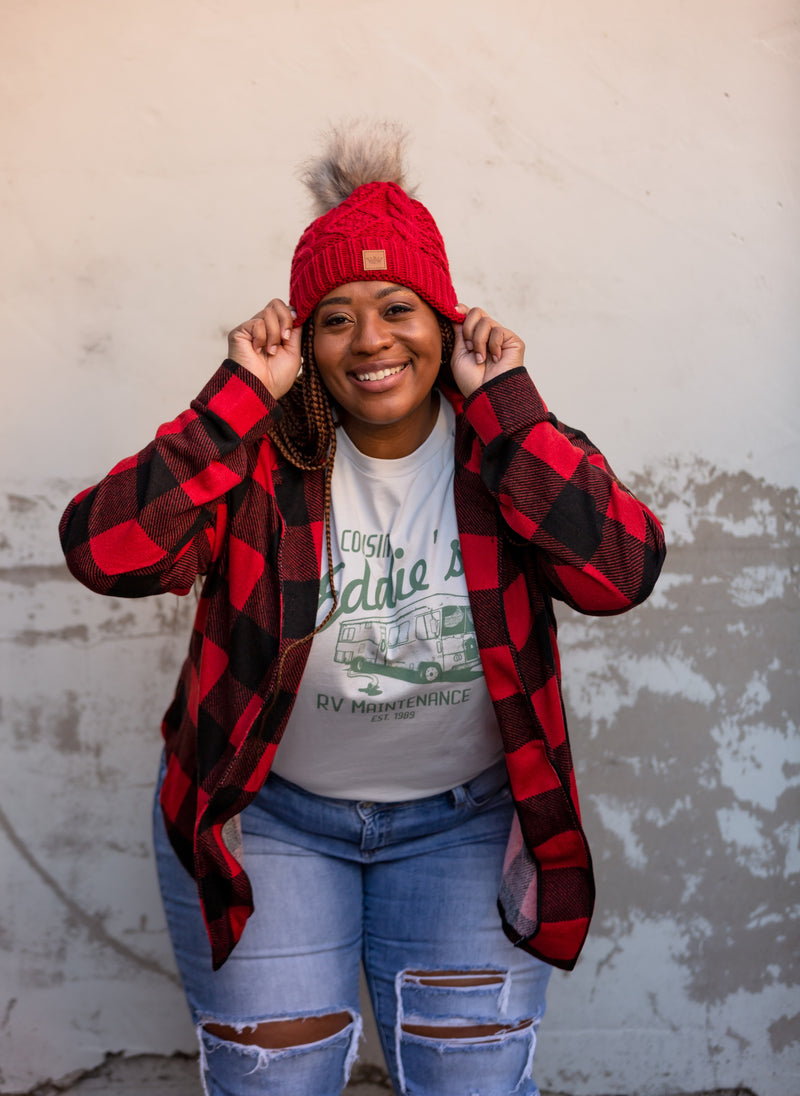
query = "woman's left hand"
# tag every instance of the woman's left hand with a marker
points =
(483, 349)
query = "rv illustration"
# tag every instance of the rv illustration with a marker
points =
(431, 640)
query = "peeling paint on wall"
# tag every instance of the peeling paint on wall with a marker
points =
(784, 1032)
(693, 706)
(684, 725)
(684, 721)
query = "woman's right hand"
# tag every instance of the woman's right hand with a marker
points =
(268, 345)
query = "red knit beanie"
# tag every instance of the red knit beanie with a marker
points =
(377, 233)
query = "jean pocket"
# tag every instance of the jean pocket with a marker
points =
(488, 789)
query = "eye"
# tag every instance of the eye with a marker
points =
(397, 309)
(335, 319)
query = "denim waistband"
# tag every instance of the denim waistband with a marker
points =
(484, 785)
(285, 809)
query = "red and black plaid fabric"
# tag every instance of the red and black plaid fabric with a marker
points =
(540, 515)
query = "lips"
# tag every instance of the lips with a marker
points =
(380, 374)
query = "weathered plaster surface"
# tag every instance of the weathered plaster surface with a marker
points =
(84, 963)
(684, 725)
(615, 181)
(684, 721)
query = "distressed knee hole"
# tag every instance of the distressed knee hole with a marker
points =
(453, 1029)
(464, 1030)
(462, 980)
(457, 977)
(267, 1057)
(280, 1034)
(456, 1004)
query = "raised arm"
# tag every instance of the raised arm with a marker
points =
(153, 524)
(600, 547)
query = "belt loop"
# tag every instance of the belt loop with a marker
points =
(458, 795)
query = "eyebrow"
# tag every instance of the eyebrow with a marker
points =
(386, 292)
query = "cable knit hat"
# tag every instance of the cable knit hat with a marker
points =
(369, 227)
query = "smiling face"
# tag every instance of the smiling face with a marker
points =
(378, 348)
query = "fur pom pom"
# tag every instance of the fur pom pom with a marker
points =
(355, 153)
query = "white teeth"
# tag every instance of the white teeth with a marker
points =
(381, 373)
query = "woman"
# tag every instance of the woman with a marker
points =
(366, 756)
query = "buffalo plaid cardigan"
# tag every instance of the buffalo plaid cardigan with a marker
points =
(540, 515)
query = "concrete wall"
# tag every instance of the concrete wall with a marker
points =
(619, 182)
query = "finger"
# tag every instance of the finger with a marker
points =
(480, 337)
(285, 316)
(471, 320)
(275, 326)
(293, 342)
(497, 338)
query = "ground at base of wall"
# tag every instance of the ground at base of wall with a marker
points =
(150, 1075)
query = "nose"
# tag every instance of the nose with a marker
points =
(371, 334)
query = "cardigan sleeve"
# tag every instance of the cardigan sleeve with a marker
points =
(153, 524)
(600, 548)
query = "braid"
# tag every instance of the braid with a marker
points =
(306, 437)
(448, 345)
(306, 434)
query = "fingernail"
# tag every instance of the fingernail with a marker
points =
(479, 359)
(272, 350)
(468, 344)
(287, 334)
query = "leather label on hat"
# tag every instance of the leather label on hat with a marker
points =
(374, 260)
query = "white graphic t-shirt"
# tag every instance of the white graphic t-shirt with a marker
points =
(393, 703)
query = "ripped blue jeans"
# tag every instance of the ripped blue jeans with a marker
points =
(410, 890)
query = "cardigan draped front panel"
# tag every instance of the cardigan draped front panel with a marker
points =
(540, 516)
